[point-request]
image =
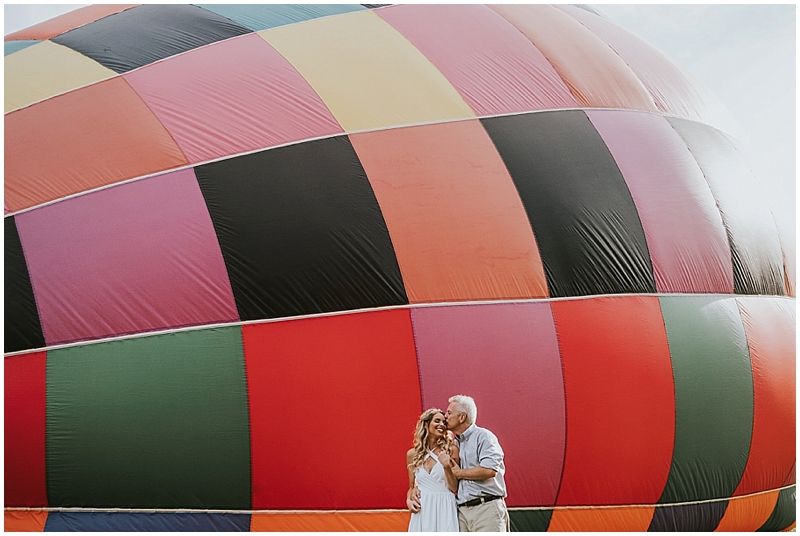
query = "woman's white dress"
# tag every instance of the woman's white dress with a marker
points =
(438, 511)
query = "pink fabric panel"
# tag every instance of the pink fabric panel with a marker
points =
(672, 92)
(685, 234)
(137, 257)
(506, 357)
(495, 67)
(231, 97)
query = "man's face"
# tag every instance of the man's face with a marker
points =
(452, 416)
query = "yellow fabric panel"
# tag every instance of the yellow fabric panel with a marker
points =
(619, 519)
(747, 514)
(396, 521)
(368, 74)
(595, 74)
(47, 69)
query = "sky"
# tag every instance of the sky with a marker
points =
(744, 53)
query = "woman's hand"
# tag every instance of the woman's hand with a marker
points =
(412, 500)
(445, 459)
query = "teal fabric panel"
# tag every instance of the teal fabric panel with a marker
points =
(14, 46)
(159, 421)
(713, 397)
(264, 16)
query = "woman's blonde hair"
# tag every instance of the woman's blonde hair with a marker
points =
(421, 437)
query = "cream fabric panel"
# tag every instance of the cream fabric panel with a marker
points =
(46, 69)
(368, 74)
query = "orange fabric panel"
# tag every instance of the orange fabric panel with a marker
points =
(747, 514)
(458, 226)
(595, 74)
(98, 135)
(330, 522)
(24, 520)
(622, 519)
(68, 21)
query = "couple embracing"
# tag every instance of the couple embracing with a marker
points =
(455, 473)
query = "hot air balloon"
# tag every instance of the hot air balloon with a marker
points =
(247, 245)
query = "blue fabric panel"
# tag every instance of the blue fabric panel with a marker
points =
(703, 517)
(264, 16)
(145, 522)
(14, 46)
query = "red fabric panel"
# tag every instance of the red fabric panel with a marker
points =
(620, 400)
(25, 410)
(770, 327)
(137, 257)
(68, 21)
(506, 357)
(231, 97)
(94, 136)
(685, 235)
(333, 404)
(494, 67)
(428, 177)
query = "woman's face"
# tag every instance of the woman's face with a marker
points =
(437, 427)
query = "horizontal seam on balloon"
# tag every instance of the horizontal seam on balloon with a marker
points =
(376, 511)
(328, 136)
(411, 306)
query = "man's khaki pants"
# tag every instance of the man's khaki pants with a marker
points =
(487, 517)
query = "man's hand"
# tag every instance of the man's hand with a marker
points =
(474, 473)
(412, 500)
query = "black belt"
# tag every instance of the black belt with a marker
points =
(481, 500)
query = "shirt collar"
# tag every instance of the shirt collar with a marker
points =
(467, 432)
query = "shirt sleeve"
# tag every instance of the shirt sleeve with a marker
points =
(490, 455)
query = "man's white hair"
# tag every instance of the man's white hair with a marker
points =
(465, 404)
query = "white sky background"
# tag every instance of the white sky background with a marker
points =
(744, 53)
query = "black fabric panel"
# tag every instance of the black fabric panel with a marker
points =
(703, 517)
(144, 34)
(785, 512)
(301, 231)
(588, 229)
(23, 330)
(529, 520)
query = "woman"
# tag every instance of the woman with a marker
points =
(430, 469)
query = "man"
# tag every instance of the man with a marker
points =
(481, 488)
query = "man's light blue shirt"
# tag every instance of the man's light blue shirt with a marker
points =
(479, 447)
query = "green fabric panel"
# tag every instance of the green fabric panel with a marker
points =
(529, 520)
(713, 397)
(159, 421)
(785, 512)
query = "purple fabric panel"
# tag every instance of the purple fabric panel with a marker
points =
(506, 357)
(684, 229)
(137, 257)
(492, 64)
(231, 97)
